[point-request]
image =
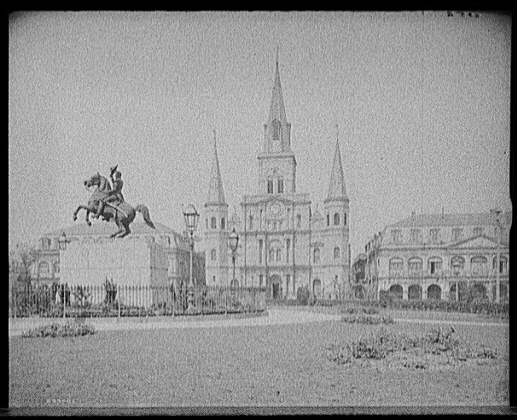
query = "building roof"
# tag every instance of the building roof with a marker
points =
(215, 188)
(458, 219)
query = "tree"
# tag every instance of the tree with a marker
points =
(21, 259)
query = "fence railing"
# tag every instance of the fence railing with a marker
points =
(111, 300)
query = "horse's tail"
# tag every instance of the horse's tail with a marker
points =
(141, 208)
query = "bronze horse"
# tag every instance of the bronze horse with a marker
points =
(122, 213)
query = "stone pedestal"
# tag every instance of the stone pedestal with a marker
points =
(132, 264)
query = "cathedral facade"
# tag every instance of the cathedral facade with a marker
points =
(283, 244)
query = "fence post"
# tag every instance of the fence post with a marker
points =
(64, 300)
(118, 300)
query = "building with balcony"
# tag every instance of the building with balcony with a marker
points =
(441, 256)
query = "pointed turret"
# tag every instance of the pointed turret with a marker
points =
(277, 108)
(215, 190)
(337, 190)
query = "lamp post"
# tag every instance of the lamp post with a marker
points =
(191, 218)
(62, 241)
(62, 246)
(496, 213)
(234, 241)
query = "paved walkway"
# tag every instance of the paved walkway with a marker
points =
(274, 317)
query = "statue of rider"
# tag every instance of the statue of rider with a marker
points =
(115, 195)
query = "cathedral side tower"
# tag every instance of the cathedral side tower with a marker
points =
(336, 226)
(216, 228)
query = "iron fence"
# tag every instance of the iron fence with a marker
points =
(110, 300)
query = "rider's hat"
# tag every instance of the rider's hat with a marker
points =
(117, 174)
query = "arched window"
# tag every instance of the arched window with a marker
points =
(251, 222)
(396, 266)
(222, 223)
(316, 255)
(414, 265)
(278, 255)
(56, 267)
(298, 220)
(270, 186)
(503, 264)
(434, 292)
(45, 243)
(457, 264)
(276, 130)
(336, 252)
(271, 254)
(43, 269)
(478, 265)
(336, 219)
(206, 222)
(280, 189)
(434, 265)
(328, 219)
(213, 223)
(213, 254)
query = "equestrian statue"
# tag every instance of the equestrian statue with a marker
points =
(107, 201)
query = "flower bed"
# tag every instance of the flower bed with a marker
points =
(439, 346)
(69, 329)
(367, 319)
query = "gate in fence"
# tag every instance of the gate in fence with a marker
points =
(110, 300)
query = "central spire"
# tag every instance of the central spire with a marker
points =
(277, 108)
(215, 190)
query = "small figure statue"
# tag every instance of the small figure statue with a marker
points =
(115, 195)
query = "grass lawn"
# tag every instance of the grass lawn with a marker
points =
(275, 365)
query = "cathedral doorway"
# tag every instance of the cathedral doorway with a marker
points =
(276, 292)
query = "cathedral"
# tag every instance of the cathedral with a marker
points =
(283, 245)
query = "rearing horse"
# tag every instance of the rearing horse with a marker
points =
(123, 213)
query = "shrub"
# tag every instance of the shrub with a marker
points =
(367, 319)
(69, 329)
(384, 343)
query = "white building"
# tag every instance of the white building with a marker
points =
(282, 244)
(426, 256)
(46, 268)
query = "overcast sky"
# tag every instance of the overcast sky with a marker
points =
(422, 102)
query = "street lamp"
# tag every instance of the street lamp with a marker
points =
(234, 241)
(62, 241)
(496, 213)
(191, 218)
